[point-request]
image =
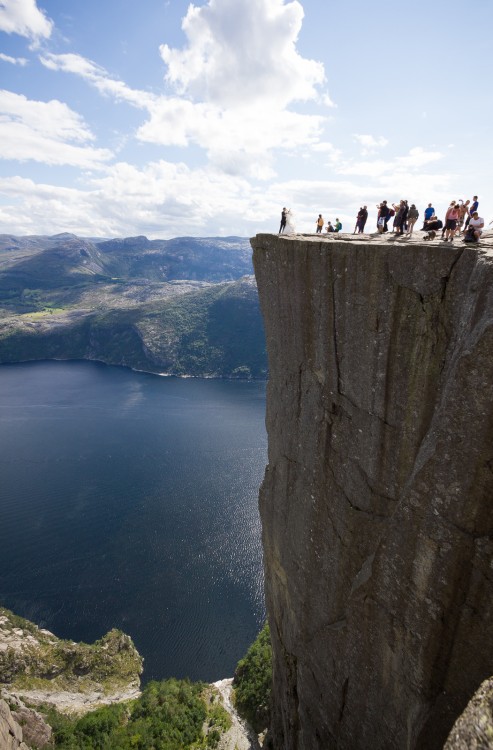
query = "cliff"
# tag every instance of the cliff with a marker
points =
(376, 505)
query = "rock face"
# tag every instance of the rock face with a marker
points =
(376, 506)
(10, 731)
(473, 730)
(35, 731)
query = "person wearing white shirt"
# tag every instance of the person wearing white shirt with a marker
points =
(477, 223)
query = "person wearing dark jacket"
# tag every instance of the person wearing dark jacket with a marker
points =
(432, 226)
(361, 220)
(383, 217)
(283, 221)
(401, 218)
(472, 208)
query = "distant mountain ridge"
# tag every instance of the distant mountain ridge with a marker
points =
(65, 257)
(185, 306)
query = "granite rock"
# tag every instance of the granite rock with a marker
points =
(10, 731)
(376, 506)
(473, 730)
(36, 732)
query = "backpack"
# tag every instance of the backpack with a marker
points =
(391, 212)
(469, 235)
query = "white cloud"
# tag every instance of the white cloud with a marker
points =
(332, 154)
(417, 158)
(163, 199)
(47, 209)
(47, 132)
(326, 100)
(235, 141)
(13, 60)
(373, 168)
(234, 81)
(243, 53)
(98, 77)
(369, 143)
(23, 17)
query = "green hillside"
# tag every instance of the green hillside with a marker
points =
(59, 301)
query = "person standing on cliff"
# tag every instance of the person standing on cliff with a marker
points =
(320, 224)
(472, 208)
(400, 220)
(451, 220)
(412, 217)
(383, 217)
(447, 216)
(463, 211)
(283, 221)
(394, 211)
(361, 220)
(290, 225)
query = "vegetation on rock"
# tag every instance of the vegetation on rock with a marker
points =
(253, 682)
(34, 659)
(170, 715)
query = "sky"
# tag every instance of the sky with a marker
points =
(167, 118)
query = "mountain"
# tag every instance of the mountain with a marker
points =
(68, 261)
(186, 306)
(65, 258)
(199, 259)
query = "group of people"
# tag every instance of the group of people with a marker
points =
(404, 216)
(288, 226)
(462, 217)
(337, 227)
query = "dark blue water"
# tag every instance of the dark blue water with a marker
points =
(128, 500)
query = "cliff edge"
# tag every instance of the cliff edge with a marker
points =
(376, 505)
